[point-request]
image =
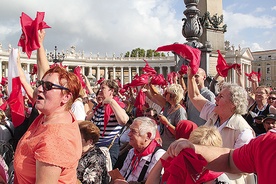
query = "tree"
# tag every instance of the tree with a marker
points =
(142, 53)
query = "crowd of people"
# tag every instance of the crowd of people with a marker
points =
(175, 131)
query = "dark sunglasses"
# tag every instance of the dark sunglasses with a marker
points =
(271, 98)
(46, 85)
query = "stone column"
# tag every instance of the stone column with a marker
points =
(1, 69)
(122, 75)
(161, 70)
(98, 73)
(137, 70)
(106, 72)
(114, 72)
(169, 69)
(90, 71)
(129, 74)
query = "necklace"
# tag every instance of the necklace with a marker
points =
(172, 109)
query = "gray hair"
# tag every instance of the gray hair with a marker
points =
(238, 97)
(147, 125)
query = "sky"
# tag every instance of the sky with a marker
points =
(108, 27)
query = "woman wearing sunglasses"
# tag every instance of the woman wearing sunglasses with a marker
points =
(50, 149)
(272, 101)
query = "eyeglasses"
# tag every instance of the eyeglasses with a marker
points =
(46, 85)
(272, 98)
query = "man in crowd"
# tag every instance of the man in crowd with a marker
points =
(145, 152)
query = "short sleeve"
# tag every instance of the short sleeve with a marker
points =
(243, 157)
(207, 110)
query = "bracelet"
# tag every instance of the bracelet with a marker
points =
(167, 126)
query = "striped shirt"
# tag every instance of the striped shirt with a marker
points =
(112, 128)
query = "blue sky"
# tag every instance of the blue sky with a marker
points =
(108, 27)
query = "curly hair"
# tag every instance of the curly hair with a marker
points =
(238, 97)
(177, 91)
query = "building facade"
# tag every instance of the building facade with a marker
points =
(264, 61)
(124, 68)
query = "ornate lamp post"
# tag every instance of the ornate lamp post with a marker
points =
(55, 57)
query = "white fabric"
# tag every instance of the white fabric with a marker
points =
(135, 174)
(244, 137)
(78, 110)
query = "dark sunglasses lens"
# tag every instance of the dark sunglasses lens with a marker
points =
(47, 86)
(38, 83)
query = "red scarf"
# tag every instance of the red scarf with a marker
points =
(187, 166)
(138, 155)
(108, 111)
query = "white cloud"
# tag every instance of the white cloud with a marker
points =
(256, 47)
(260, 9)
(273, 8)
(100, 26)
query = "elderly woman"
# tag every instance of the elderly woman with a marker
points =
(92, 165)
(50, 149)
(173, 112)
(226, 114)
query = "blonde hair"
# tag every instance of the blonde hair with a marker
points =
(177, 91)
(206, 135)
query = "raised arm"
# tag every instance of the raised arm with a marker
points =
(119, 112)
(153, 94)
(240, 76)
(26, 85)
(219, 159)
(88, 86)
(193, 92)
(42, 62)
(213, 83)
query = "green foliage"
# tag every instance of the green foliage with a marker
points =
(138, 52)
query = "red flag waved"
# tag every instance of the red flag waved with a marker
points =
(15, 99)
(29, 37)
(252, 74)
(185, 51)
(222, 67)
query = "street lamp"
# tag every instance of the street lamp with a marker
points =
(55, 57)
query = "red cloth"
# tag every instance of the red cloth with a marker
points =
(2, 174)
(138, 155)
(184, 129)
(185, 51)
(15, 99)
(58, 64)
(159, 80)
(140, 80)
(171, 76)
(187, 166)
(140, 100)
(77, 71)
(34, 70)
(29, 37)
(148, 70)
(258, 156)
(183, 70)
(258, 74)
(4, 81)
(100, 80)
(108, 111)
(223, 67)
